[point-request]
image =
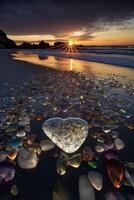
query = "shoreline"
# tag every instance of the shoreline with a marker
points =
(89, 57)
(17, 70)
(82, 56)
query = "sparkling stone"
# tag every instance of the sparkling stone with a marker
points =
(14, 190)
(114, 134)
(99, 148)
(15, 143)
(75, 161)
(119, 144)
(112, 153)
(21, 133)
(61, 166)
(96, 179)
(68, 134)
(115, 170)
(130, 164)
(12, 154)
(86, 191)
(26, 159)
(130, 178)
(46, 145)
(108, 146)
(59, 193)
(87, 154)
(92, 164)
(106, 129)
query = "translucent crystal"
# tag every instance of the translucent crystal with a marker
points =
(68, 134)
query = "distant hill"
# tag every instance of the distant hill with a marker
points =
(5, 42)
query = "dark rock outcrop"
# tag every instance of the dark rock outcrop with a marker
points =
(43, 45)
(25, 45)
(5, 42)
(59, 45)
(28, 45)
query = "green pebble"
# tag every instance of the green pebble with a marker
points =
(92, 164)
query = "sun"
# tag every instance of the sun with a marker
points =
(69, 46)
(70, 43)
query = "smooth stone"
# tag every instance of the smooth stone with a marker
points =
(75, 161)
(108, 146)
(99, 148)
(130, 165)
(114, 134)
(21, 133)
(68, 134)
(86, 191)
(96, 179)
(26, 159)
(59, 193)
(61, 166)
(112, 153)
(7, 171)
(15, 143)
(46, 145)
(92, 164)
(12, 154)
(115, 170)
(14, 190)
(130, 178)
(107, 139)
(119, 144)
(87, 153)
(106, 129)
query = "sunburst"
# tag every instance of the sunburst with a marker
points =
(69, 47)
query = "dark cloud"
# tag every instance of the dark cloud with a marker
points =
(62, 16)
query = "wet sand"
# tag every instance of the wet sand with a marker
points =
(12, 70)
(17, 65)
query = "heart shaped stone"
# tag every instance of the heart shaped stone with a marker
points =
(68, 134)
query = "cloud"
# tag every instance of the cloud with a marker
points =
(56, 17)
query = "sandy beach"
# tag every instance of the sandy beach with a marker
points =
(12, 70)
(46, 87)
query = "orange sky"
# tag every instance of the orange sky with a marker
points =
(113, 36)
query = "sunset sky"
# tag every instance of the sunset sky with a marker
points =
(88, 22)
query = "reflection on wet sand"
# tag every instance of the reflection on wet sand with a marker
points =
(93, 68)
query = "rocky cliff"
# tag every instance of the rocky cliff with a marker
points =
(5, 42)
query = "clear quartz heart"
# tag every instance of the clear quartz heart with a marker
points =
(68, 134)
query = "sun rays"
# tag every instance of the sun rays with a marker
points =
(68, 47)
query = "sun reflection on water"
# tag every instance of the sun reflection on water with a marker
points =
(92, 68)
(71, 64)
